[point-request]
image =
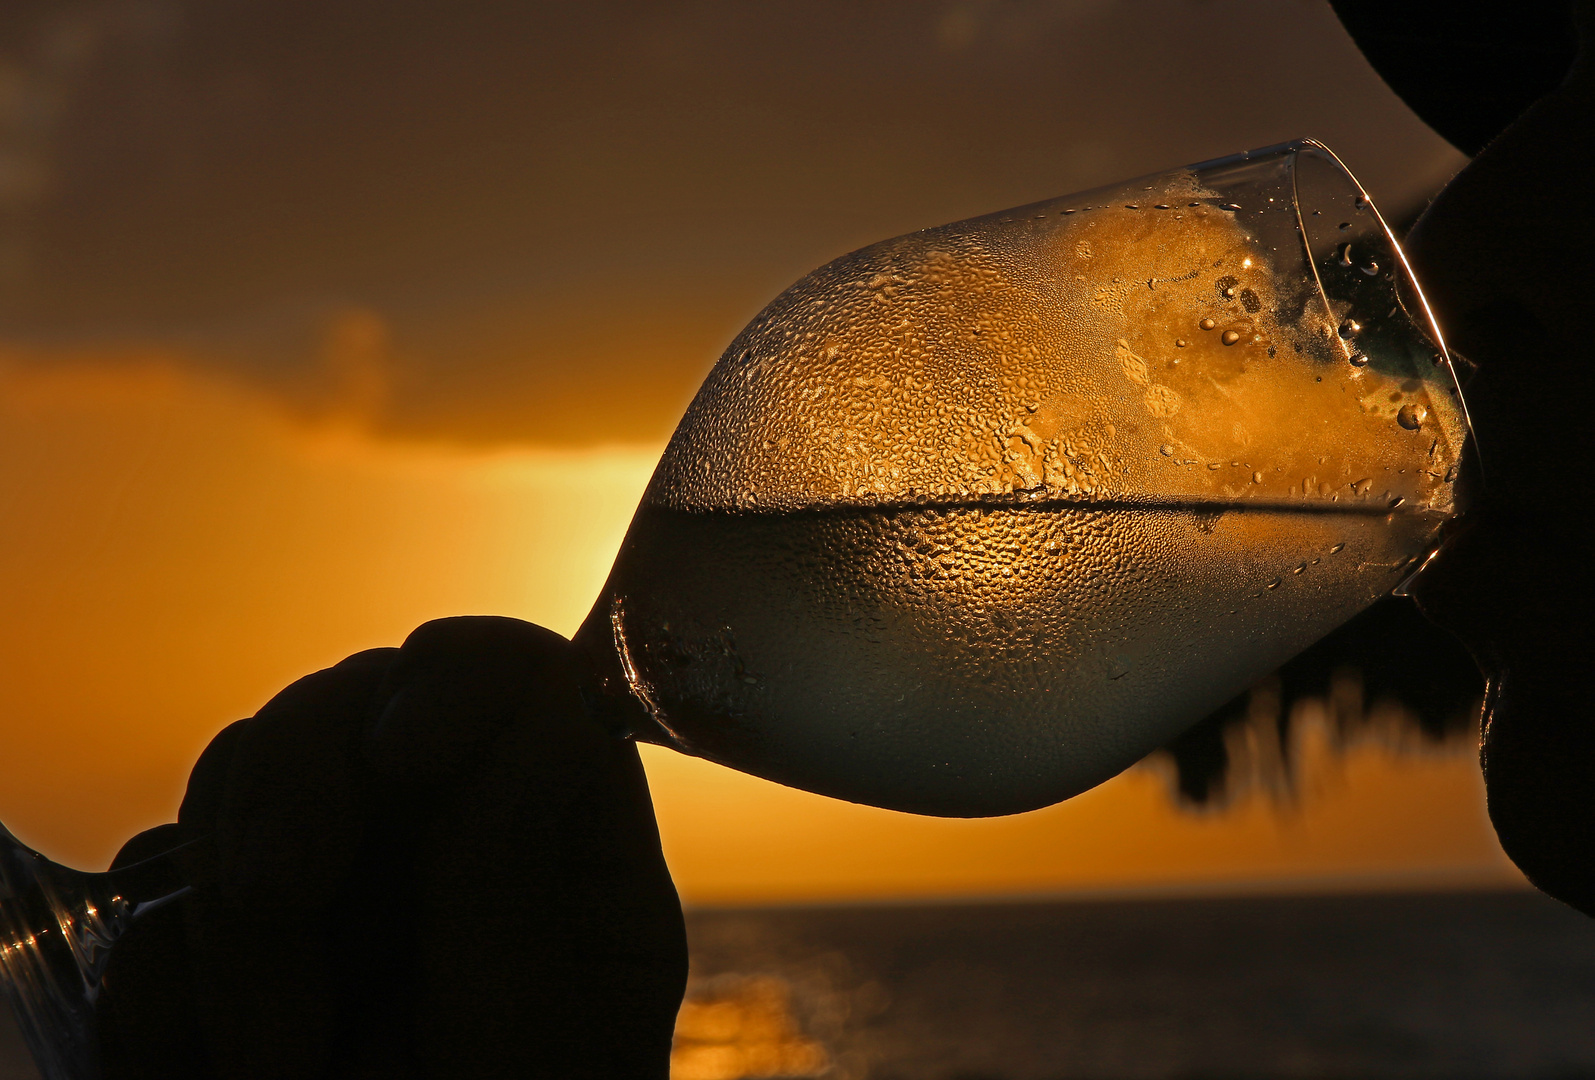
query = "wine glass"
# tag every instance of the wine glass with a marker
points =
(970, 520)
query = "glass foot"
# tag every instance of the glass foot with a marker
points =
(57, 926)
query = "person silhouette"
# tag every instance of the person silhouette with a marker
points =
(1504, 254)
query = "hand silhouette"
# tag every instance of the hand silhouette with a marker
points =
(428, 862)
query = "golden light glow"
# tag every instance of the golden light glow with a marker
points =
(742, 1028)
(177, 551)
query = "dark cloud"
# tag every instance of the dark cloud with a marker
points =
(549, 218)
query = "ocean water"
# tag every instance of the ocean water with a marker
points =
(1475, 984)
(1441, 985)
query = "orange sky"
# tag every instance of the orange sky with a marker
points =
(317, 322)
(177, 549)
(562, 212)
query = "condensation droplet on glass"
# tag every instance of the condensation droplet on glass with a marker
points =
(875, 408)
(1337, 549)
(1231, 206)
(1370, 268)
(1358, 359)
(1344, 225)
(1349, 327)
(1299, 569)
(1343, 253)
(1274, 584)
(1412, 416)
(1230, 337)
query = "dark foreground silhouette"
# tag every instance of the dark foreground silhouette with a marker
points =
(429, 863)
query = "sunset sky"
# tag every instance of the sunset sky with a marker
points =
(318, 322)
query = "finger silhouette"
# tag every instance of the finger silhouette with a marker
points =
(268, 945)
(429, 862)
(539, 872)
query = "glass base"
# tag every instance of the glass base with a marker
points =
(56, 930)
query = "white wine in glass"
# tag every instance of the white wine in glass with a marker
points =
(968, 521)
